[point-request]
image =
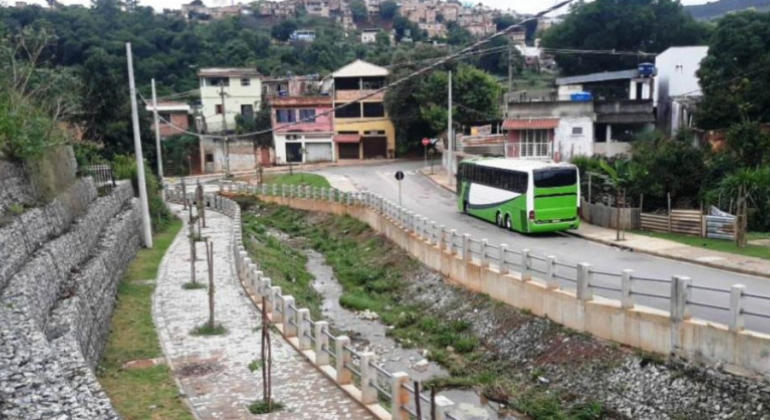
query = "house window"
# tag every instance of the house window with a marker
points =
(350, 111)
(286, 116)
(245, 82)
(219, 109)
(164, 117)
(535, 143)
(218, 81)
(293, 137)
(209, 158)
(307, 115)
(247, 110)
(577, 131)
(376, 109)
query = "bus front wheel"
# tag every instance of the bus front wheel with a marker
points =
(499, 219)
(465, 207)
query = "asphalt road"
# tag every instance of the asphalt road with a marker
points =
(422, 196)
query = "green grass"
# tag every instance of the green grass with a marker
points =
(712, 244)
(134, 393)
(255, 365)
(261, 407)
(207, 329)
(194, 286)
(300, 178)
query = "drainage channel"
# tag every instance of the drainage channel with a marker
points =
(369, 334)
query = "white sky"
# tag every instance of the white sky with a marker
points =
(522, 6)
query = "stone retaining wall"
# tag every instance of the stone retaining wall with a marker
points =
(59, 272)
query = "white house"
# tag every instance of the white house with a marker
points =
(226, 93)
(677, 87)
(369, 36)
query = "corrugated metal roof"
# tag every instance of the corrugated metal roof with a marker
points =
(531, 124)
(360, 68)
(229, 71)
(598, 77)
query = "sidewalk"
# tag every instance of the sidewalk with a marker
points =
(213, 371)
(653, 246)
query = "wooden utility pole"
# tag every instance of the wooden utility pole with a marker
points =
(191, 223)
(510, 72)
(201, 205)
(267, 359)
(210, 259)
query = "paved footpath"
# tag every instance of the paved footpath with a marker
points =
(213, 371)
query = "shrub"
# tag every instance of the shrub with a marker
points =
(124, 167)
(208, 330)
(261, 407)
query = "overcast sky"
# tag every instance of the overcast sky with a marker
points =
(522, 6)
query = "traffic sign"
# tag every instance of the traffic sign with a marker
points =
(426, 142)
(399, 176)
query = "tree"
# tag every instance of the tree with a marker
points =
(622, 173)
(457, 35)
(388, 9)
(734, 76)
(748, 143)
(382, 40)
(284, 30)
(623, 25)
(359, 11)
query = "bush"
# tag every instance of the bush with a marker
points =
(207, 330)
(124, 167)
(261, 407)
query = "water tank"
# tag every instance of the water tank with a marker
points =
(581, 97)
(647, 70)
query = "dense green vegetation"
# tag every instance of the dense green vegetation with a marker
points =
(149, 392)
(622, 25)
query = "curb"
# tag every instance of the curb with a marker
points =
(737, 270)
(438, 184)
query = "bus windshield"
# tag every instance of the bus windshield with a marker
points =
(551, 178)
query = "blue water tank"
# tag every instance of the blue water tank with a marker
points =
(581, 97)
(647, 70)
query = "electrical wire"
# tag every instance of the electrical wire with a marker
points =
(404, 79)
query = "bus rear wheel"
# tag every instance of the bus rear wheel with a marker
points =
(508, 224)
(465, 207)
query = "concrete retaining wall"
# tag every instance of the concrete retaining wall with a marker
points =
(634, 325)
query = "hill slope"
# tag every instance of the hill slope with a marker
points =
(714, 10)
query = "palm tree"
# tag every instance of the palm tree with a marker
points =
(622, 173)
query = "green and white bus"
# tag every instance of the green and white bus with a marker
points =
(521, 195)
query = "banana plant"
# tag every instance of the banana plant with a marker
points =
(621, 173)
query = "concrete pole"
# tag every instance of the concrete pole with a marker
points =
(224, 130)
(146, 227)
(157, 140)
(321, 343)
(450, 135)
(737, 322)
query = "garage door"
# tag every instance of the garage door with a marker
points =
(348, 150)
(319, 152)
(375, 147)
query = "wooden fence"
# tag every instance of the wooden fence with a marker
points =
(607, 217)
(688, 222)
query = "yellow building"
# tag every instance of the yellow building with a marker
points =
(362, 130)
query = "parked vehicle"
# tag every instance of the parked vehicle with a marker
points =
(520, 195)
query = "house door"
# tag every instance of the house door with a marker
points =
(294, 152)
(264, 156)
(375, 147)
(348, 150)
(319, 152)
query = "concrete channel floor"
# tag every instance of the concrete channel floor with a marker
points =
(213, 371)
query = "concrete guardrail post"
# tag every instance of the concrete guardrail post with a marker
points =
(242, 264)
(253, 282)
(400, 396)
(451, 244)
(440, 239)
(626, 288)
(502, 266)
(680, 294)
(584, 291)
(526, 272)
(368, 378)
(551, 282)
(275, 300)
(289, 317)
(303, 329)
(737, 321)
(484, 258)
(466, 252)
(321, 343)
(343, 358)
(443, 405)
(432, 239)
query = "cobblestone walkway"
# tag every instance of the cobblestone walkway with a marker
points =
(214, 370)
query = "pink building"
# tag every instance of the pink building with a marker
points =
(304, 129)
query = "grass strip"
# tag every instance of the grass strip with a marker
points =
(721, 245)
(298, 178)
(140, 393)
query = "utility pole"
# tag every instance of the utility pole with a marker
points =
(157, 140)
(510, 71)
(138, 151)
(224, 130)
(450, 135)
